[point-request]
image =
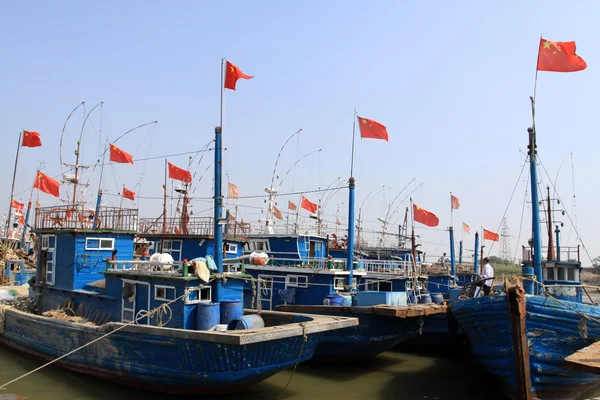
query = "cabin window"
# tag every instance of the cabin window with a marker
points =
(550, 273)
(571, 274)
(378, 286)
(296, 281)
(164, 293)
(172, 247)
(340, 282)
(99, 243)
(198, 294)
(231, 248)
(259, 245)
(560, 273)
(372, 285)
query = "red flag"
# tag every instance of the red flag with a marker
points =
(425, 217)
(292, 206)
(308, 205)
(46, 184)
(119, 156)
(489, 235)
(455, 202)
(559, 57)
(31, 139)
(179, 174)
(232, 74)
(22, 219)
(277, 213)
(337, 221)
(18, 206)
(372, 129)
(466, 228)
(128, 194)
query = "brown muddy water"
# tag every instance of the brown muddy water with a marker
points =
(400, 374)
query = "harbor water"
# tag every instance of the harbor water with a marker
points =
(398, 374)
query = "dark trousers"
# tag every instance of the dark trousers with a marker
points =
(486, 290)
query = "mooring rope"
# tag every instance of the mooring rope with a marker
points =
(304, 340)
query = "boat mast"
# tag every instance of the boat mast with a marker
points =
(535, 207)
(164, 227)
(12, 196)
(218, 200)
(550, 238)
(76, 179)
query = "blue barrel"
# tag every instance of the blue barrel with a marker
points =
(230, 310)
(425, 298)
(334, 300)
(208, 316)
(251, 321)
(347, 301)
(437, 298)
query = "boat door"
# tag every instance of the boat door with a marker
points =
(265, 291)
(136, 298)
(47, 258)
(311, 249)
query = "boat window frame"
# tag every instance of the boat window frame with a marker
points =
(231, 248)
(166, 292)
(204, 294)
(297, 284)
(100, 242)
(344, 279)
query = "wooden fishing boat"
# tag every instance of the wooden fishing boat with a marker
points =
(523, 336)
(148, 323)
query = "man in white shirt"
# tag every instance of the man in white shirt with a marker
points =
(487, 272)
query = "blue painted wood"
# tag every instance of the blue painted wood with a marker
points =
(166, 362)
(553, 333)
(374, 334)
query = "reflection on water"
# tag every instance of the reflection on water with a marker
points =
(398, 374)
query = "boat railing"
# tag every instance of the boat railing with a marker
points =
(314, 263)
(564, 253)
(76, 217)
(392, 267)
(257, 228)
(193, 226)
(146, 267)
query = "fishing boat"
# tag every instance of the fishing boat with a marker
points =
(524, 335)
(152, 324)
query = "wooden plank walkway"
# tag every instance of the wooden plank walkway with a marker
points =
(409, 311)
(586, 359)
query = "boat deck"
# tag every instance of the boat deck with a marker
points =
(408, 311)
(586, 359)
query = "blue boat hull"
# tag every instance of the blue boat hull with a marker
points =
(373, 335)
(167, 360)
(553, 333)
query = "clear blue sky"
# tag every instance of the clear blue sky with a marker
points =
(450, 80)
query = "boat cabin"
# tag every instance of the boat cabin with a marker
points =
(561, 271)
(91, 272)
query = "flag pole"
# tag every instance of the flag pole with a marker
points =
(164, 227)
(222, 90)
(353, 137)
(536, 70)
(26, 219)
(451, 212)
(12, 196)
